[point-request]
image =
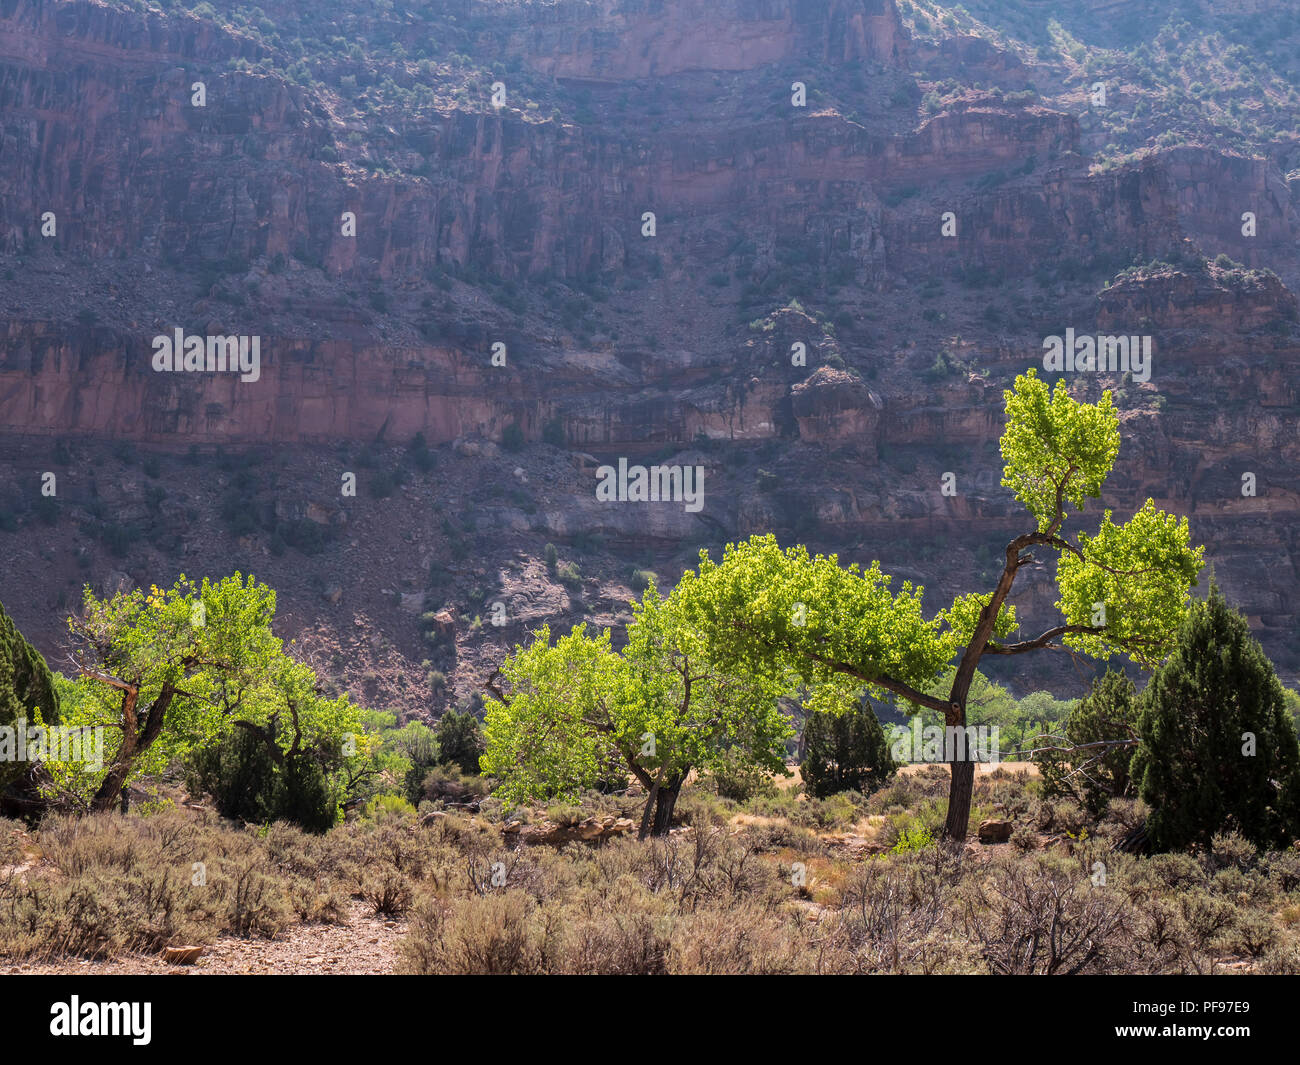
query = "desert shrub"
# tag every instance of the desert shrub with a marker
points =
(624, 942)
(256, 904)
(835, 811)
(700, 809)
(744, 939)
(641, 579)
(1061, 816)
(512, 438)
(1283, 870)
(927, 819)
(716, 899)
(929, 782)
(912, 838)
(1230, 850)
(565, 815)
(128, 884)
(489, 935)
(1281, 959)
(388, 892)
(447, 784)
(1043, 915)
(896, 917)
(424, 459)
(783, 836)
(386, 806)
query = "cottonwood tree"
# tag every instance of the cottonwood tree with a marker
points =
(661, 707)
(167, 671)
(1123, 590)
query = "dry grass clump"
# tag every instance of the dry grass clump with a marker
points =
(107, 885)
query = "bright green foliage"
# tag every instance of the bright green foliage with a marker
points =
(845, 752)
(1141, 572)
(1037, 713)
(783, 612)
(173, 670)
(963, 616)
(27, 690)
(771, 610)
(987, 702)
(1054, 445)
(414, 750)
(1089, 774)
(549, 739)
(1219, 749)
(913, 838)
(662, 706)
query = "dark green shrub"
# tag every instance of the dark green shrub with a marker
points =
(460, 740)
(1218, 750)
(1095, 775)
(26, 689)
(845, 752)
(247, 784)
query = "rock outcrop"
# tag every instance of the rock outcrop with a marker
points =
(415, 260)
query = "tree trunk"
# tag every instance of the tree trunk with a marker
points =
(110, 791)
(667, 799)
(138, 735)
(647, 817)
(959, 796)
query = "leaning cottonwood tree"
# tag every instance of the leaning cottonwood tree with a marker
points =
(1121, 591)
(174, 669)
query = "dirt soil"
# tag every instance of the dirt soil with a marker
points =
(366, 946)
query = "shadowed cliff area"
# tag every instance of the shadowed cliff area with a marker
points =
(488, 247)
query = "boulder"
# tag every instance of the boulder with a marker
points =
(995, 831)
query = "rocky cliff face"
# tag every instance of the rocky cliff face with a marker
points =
(417, 260)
